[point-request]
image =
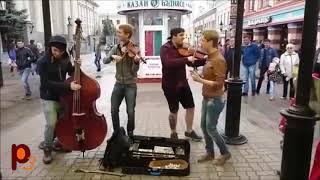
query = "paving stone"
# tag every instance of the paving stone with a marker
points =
(269, 177)
(227, 174)
(265, 173)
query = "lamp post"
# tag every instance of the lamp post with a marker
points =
(298, 138)
(233, 111)
(46, 22)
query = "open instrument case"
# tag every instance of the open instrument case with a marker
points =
(158, 156)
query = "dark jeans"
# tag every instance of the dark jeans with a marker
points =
(285, 87)
(263, 70)
(97, 63)
(129, 92)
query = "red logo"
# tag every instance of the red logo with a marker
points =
(21, 154)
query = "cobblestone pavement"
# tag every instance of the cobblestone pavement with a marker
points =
(23, 123)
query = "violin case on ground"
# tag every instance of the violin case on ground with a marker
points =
(157, 156)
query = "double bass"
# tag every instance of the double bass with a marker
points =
(81, 126)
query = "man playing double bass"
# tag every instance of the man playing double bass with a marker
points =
(126, 75)
(175, 84)
(53, 68)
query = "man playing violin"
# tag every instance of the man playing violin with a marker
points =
(127, 66)
(53, 68)
(174, 82)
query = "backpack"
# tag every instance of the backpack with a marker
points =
(116, 151)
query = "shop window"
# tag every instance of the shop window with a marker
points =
(174, 20)
(133, 19)
(152, 18)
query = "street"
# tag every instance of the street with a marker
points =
(22, 122)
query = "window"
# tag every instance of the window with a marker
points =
(118, 21)
(174, 20)
(133, 19)
(251, 5)
(152, 17)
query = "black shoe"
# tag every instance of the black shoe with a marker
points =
(47, 156)
(58, 147)
(99, 70)
(244, 94)
(193, 135)
(174, 135)
(253, 93)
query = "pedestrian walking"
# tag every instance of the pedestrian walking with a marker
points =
(274, 76)
(289, 63)
(23, 61)
(53, 68)
(35, 51)
(250, 56)
(267, 55)
(12, 57)
(213, 97)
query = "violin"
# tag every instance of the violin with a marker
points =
(187, 51)
(132, 50)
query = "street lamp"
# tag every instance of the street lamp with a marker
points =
(228, 28)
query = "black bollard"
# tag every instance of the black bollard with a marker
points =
(299, 131)
(232, 125)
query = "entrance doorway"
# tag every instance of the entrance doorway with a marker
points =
(283, 38)
(153, 42)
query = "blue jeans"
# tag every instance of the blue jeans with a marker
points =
(211, 109)
(51, 110)
(272, 84)
(24, 78)
(249, 73)
(129, 92)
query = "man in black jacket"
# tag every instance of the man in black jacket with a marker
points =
(23, 60)
(36, 55)
(53, 68)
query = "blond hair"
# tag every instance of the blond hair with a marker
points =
(127, 29)
(211, 35)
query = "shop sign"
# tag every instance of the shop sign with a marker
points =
(257, 21)
(158, 4)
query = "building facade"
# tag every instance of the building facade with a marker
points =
(152, 21)
(278, 20)
(60, 12)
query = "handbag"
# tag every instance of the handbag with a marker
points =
(315, 95)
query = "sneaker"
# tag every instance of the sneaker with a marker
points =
(221, 160)
(47, 156)
(253, 93)
(27, 97)
(284, 98)
(174, 135)
(41, 145)
(193, 135)
(271, 98)
(58, 147)
(206, 157)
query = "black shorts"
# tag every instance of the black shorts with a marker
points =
(182, 95)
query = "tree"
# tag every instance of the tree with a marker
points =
(12, 21)
(108, 30)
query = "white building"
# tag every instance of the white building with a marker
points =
(60, 11)
(152, 21)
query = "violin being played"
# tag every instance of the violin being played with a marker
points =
(186, 50)
(131, 50)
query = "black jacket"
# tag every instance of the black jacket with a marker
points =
(24, 58)
(52, 77)
(34, 51)
(317, 61)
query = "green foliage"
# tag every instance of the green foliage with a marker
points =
(12, 21)
(108, 30)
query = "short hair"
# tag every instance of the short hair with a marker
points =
(31, 41)
(127, 28)
(211, 35)
(175, 32)
(266, 40)
(247, 36)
